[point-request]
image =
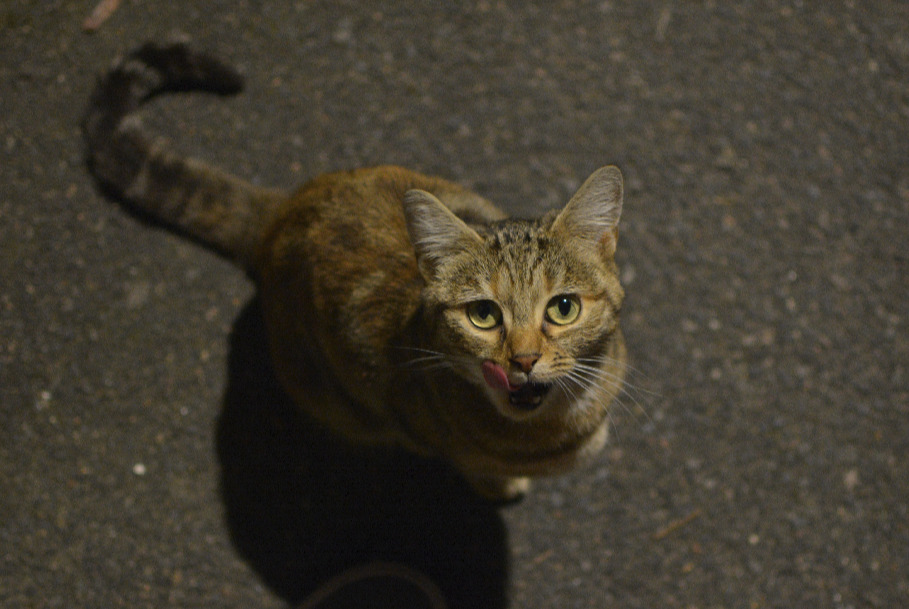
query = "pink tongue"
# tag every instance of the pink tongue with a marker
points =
(495, 376)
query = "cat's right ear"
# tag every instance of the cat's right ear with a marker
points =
(435, 232)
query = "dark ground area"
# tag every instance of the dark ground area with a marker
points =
(760, 456)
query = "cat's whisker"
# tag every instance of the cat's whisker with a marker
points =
(630, 372)
(436, 356)
(579, 380)
(624, 389)
(564, 385)
(420, 350)
(612, 423)
(593, 375)
(428, 365)
(602, 359)
(587, 379)
(437, 359)
(432, 360)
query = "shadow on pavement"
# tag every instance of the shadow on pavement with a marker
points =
(304, 508)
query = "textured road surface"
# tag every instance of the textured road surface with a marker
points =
(760, 455)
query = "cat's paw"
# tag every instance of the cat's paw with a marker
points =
(500, 489)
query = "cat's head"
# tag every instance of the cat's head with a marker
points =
(525, 309)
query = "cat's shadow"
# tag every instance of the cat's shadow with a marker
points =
(303, 507)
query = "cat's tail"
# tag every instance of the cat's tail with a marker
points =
(216, 208)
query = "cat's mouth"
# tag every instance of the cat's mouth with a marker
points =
(528, 396)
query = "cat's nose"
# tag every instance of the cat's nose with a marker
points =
(525, 361)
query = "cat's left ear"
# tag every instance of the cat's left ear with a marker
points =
(593, 212)
(436, 233)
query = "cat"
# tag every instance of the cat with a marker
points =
(401, 309)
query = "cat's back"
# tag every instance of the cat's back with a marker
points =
(359, 213)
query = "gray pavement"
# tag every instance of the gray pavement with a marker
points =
(759, 457)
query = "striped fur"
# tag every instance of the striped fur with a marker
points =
(377, 286)
(216, 208)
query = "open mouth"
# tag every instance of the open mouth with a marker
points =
(528, 396)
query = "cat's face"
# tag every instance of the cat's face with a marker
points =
(526, 309)
(526, 318)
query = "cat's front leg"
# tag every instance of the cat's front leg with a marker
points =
(500, 489)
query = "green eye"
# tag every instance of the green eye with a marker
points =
(563, 310)
(484, 314)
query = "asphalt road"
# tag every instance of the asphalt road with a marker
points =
(759, 458)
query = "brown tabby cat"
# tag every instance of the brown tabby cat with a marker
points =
(401, 308)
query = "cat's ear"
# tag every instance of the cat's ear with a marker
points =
(593, 212)
(436, 233)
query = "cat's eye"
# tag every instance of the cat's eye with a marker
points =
(484, 314)
(564, 309)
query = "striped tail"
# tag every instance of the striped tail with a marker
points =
(220, 210)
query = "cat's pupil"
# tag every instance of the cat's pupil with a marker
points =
(484, 310)
(564, 306)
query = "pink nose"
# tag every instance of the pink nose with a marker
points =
(525, 362)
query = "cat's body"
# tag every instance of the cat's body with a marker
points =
(401, 309)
